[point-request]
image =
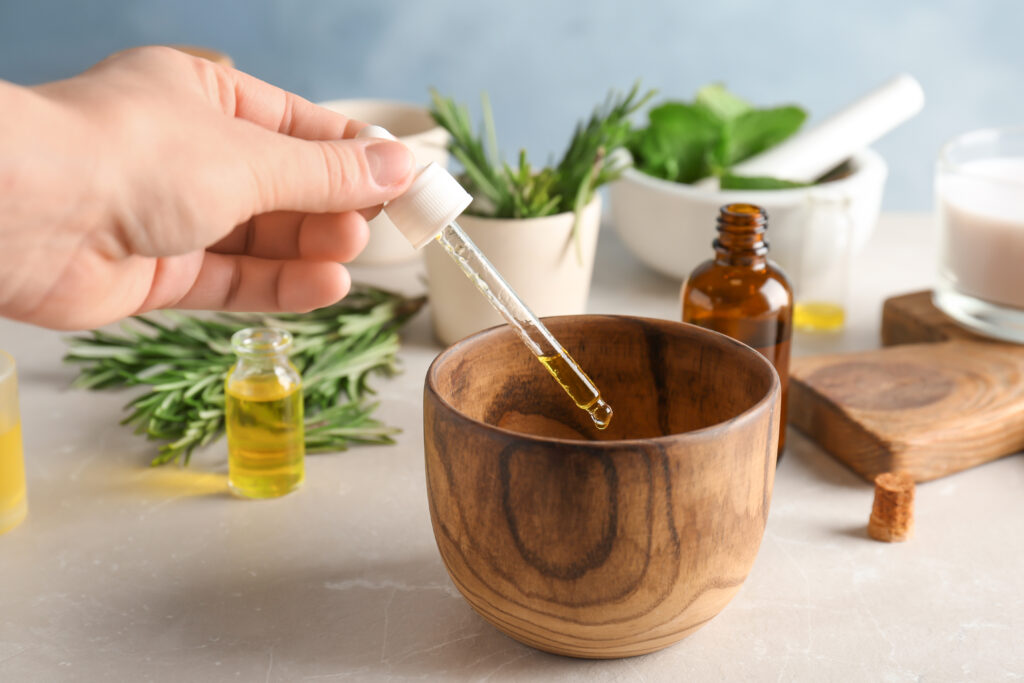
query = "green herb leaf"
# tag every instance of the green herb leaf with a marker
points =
(685, 142)
(674, 144)
(757, 130)
(501, 190)
(721, 103)
(737, 182)
(183, 366)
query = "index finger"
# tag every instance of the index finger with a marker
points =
(247, 97)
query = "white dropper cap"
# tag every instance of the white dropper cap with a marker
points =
(434, 199)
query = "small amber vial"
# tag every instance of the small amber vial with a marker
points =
(263, 413)
(742, 294)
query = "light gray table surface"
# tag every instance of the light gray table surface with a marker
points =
(126, 573)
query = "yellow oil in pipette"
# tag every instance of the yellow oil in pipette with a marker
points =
(579, 386)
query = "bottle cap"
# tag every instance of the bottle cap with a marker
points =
(434, 199)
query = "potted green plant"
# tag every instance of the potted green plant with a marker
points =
(538, 226)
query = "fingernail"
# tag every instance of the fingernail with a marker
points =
(390, 162)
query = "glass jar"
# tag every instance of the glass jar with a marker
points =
(979, 194)
(263, 414)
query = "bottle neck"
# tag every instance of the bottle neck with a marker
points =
(261, 350)
(740, 240)
(261, 363)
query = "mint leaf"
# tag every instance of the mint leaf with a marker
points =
(738, 182)
(685, 142)
(673, 145)
(721, 103)
(755, 131)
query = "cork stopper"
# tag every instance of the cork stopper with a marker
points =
(892, 515)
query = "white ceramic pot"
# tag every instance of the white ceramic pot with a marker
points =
(670, 226)
(412, 124)
(536, 256)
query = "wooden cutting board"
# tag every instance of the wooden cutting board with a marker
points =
(937, 400)
(914, 319)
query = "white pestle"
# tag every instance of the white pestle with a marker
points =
(808, 155)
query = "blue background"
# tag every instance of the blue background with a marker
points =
(546, 64)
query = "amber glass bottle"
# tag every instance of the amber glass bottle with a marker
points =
(744, 295)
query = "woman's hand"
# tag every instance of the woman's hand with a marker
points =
(157, 179)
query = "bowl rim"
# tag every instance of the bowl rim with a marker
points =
(595, 200)
(866, 162)
(774, 387)
(946, 164)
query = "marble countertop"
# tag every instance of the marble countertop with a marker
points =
(126, 573)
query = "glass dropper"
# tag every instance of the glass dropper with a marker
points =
(427, 212)
(531, 330)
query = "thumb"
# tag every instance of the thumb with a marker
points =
(328, 176)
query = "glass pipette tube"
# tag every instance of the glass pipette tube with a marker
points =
(429, 205)
(531, 330)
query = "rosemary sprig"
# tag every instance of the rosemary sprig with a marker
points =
(503, 191)
(183, 360)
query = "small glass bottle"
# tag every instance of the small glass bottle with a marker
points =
(742, 294)
(263, 414)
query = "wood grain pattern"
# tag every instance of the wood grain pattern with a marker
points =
(601, 544)
(928, 409)
(950, 401)
(914, 319)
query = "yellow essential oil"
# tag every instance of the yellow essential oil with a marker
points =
(818, 316)
(579, 386)
(13, 501)
(263, 414)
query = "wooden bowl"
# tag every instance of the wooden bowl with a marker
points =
(601, 544)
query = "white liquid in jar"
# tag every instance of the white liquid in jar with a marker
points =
(981, 206)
